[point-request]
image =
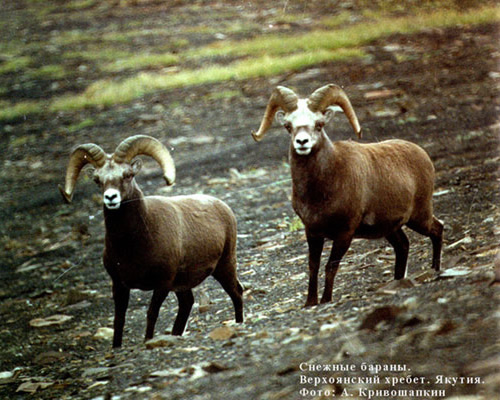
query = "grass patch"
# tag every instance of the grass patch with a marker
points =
(224, 94)
(97, 53)
(53, 71)
(81, 125)
(107, 93)
(336, 20)
(352, 36)
(295, 224)
(73, 37)
(266, 56)
(15, 64)
(141, 61)
(20, 110)
(81, 4)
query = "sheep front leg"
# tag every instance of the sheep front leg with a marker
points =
(121, 295)
(159, 295)
(186, 301)
(339, 248)
(315, 249)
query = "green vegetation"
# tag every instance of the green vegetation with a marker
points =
(14, 64)
(295, 224)
(107, 93)
(52, 71)
(353, 36)
(11, 112)
(224, 94)
(81, 125)
(334, 38)
(141, 61)
(81, 4)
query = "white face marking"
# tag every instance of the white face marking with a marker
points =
(112, 199)
(303, 143)
(303, 122)
(303, 116)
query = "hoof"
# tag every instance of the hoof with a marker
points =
(310, 304)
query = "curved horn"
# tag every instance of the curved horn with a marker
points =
(333, 94)
(81, 155)
(281, 97)
(149, 146)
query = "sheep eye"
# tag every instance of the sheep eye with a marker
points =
(97, 180)
(288, 126)
(319, 126)
(128, 176)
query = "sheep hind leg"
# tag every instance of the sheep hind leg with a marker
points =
(339, 248)
(225, 274)
(159, 295)
(186, 301)
(436, 236)
(434, 230)
(399, 241)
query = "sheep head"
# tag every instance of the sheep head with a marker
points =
(114, 173)
(304, 119)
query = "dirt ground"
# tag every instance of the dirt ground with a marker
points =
(434, 336)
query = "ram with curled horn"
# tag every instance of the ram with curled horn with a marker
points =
(345, 190)
(157, 243)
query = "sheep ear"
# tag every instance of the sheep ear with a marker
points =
(280, 117)
(89, 172)
(136, 166)
(330, 112)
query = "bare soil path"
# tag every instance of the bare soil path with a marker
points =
(436, 334)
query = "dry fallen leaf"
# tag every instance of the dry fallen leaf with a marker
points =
(56, 319)
(32, 387)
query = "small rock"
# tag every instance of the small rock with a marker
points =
(222, 333)
(496, 279)
(411, 303)
(97, 372)
(380, 94)
(329, 327)
(162, 341)
(352, 347)
(104, 333)
(397, 285)
(50, 357)
(453, 272)
(385, 313)
(203, 302)
(6, 375)
(214, 367)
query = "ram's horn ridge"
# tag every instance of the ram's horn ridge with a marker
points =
(81, 155)
(283, 98)
(148, 146)
(330, 95)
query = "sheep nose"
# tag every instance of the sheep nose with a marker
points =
(111, 197)
(302, 142)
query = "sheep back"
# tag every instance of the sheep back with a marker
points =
(370, 189)
(179, 244)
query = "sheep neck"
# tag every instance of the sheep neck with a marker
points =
(128, 221)
(313, 176)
